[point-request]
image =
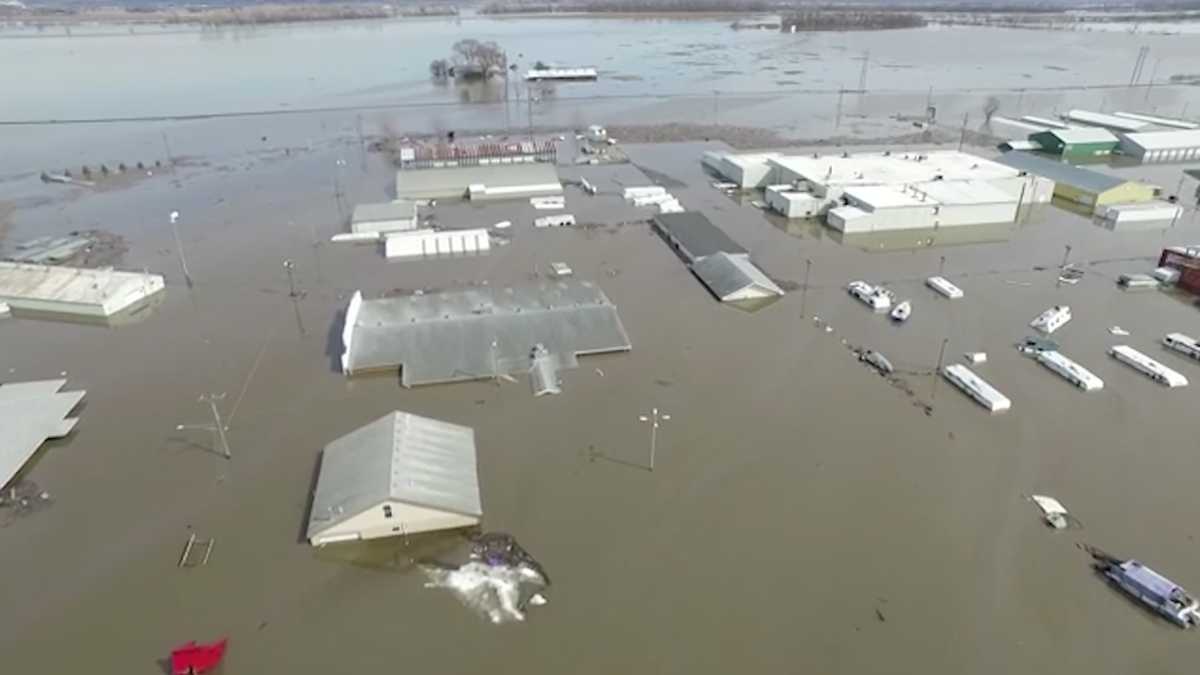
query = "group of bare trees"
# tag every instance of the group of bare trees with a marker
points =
(818, 20)
(471, 59)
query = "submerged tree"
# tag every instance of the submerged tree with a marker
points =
(479, 59)
(439, 69)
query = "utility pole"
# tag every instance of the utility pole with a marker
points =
(167, 149)
(938, 371)
(362, 144)
(1066, 254)
(962, 138)
(529, 99)
(716, 108)
(654, 418)
(179, 247)
(941, 265)
(1138, 64)
(804, 293)
(862, 75)
(837, 121)
(218, 427)
(1150, 84)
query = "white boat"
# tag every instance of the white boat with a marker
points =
(1147, 366)
(1070, 371)
(941, 285)
(1052, 319)
(877, 298)
(1188, 346)
(975, 387)
(902, 311)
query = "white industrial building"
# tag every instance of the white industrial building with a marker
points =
(1152, 212)
(1182, 145)
(397, 216)
(435, 243)
(751, 170)
(1159, 121)
(74, 290)
(968, 202)
(401, 474)
(873, 208)
(792, 202)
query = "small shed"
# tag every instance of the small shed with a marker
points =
(1076, 142)
(401, 474)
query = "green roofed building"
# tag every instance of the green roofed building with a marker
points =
(1076, 142)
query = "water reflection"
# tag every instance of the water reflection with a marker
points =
(911, 240)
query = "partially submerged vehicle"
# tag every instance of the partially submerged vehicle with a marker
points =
(1152, 589)
(1052, 319)
(877, 298)
(902, 311)
(877, 361)
(1053, 511)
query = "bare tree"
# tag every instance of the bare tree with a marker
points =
(990, 107)
(479, 59)
(439, 69)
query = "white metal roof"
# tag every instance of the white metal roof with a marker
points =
(1083, 135)
(1104, 120)
(885, 197)
(1160, 121)
(1165, 140)
(76, 285)
(1045, 121)
(894, 168)
(397, 210)
(964, 192)
(1019, 124)
(31, 412)
(399, 457)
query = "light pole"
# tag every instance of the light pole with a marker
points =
(941, 265)
(179, 247)
(289, 266)
(804, 293)
(218, 427)
(938, 370)
(654, 419)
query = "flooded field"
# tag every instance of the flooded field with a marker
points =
(804, 514)
(786, 461)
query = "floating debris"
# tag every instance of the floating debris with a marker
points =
(1117, 330)
(975, 358)
(499, 580)
(1053, 511)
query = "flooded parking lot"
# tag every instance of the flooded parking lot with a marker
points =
(802, 513)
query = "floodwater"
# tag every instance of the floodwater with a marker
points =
(803, 515)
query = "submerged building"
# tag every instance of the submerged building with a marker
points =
(482, 182)
(1162, 146)
(30, 413)
(74, 290)
(478, 333)
(1076, 142)
(720, 263)
(401, 474)
(1078, 185)
(397, 216)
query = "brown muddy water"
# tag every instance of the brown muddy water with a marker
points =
(803, 516)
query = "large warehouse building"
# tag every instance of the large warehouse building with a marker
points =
(1163, 146)
(748, 171)
(1081, 186)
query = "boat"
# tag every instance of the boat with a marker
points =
(1069, 370)
(975, 387)
(1188, 346)
(1052, 319)
(877, 298)
(902, 311)
(1147, 366)
(1151, 588)
(944, 287)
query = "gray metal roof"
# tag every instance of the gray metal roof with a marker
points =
(397, 210)
(1067, 174)
(454, 181)
(399, 457)
(696, 233)
(31, 412)
(479, 332)
(726, 274)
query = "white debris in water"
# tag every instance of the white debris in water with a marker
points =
(976, 357)
(537, 600)
(828, 329)
(1117, 330)
(493, 591)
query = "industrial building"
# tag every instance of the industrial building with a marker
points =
(1182, 145)
(1185, 259)
(693, 236)
(483, 182)
(1155, 212)
(30, 413)
(750, 170)
(478, 333)
(792, 202)
(74, 290)
(1077, 142)
(1110, 122)
(1006, 126)
(397, 216)
(401, 474)
(1077, 185)
(422, 243)
(733, 278)
(1167, 122)
(875, 208)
